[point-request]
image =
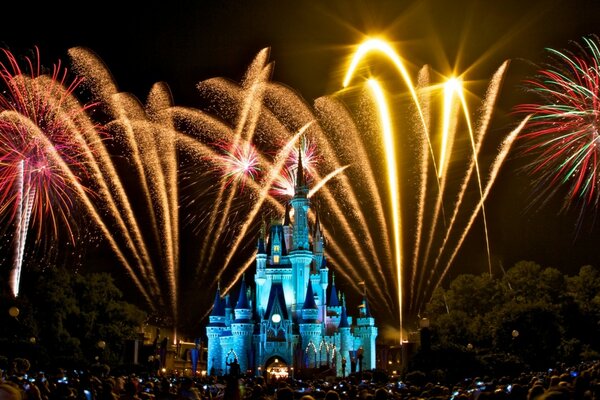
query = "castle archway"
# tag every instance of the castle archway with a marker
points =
(276, 368)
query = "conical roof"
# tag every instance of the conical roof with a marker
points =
(242, 302)
(309, 301)
(218, 309)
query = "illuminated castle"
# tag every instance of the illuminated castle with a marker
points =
(287, 322)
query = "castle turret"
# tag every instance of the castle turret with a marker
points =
(366, 332)
(242, 328)
(214, 330)
(334, 309)
(310, 327)
(318, 241)
(346, 339)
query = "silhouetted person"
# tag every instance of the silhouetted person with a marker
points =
(234, 368)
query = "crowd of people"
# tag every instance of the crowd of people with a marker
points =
(18, 382)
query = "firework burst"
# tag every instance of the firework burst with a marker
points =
(562, 134)
(237, 162)
(41, 151)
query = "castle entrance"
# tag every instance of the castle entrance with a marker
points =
(276, 368)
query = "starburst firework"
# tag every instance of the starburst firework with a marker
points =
(562, 134)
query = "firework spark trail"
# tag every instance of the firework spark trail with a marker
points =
(116, 202)
(25, 200)
(146, 133)
(326, 109)
(327, 178)
(161, 164)
(494, 170)
(97, 75)
(394, 188)
(341, 214)
(253, 95)
(379, 45)
(86, 136)
(448, 132)
(123, 206)
(113, 193)
(129, 112)
(475, 158)
(425, 101)
(136, 125)
(200, 121)
(250, 96)
(487, 110)
(244, 131)
(385, 48)
(159, 103)
(219, 131)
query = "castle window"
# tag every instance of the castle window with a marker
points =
(276, 248)
(276, 259)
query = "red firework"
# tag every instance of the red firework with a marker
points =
(237, 162)
(41, 145)
(562, 134)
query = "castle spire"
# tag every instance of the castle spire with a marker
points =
(218, 310)
(344, 316)
(242, 302)
(309, 301)
(364, 308)
(261, 238)
(300, 170)
(286, 218)
(333, 296)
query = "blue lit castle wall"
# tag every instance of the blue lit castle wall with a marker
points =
(287, 321)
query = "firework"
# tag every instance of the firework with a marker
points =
(237, 162)
(562, 135)
(39, 128)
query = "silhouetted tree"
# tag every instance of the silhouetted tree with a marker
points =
(65, 314)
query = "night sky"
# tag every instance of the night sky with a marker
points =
(185, 42)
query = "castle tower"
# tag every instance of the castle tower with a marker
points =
(214, 330)
(346, 339)
(242, 328)
(300, 256)
(310, 327)
(366, 332)
(334, 309)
